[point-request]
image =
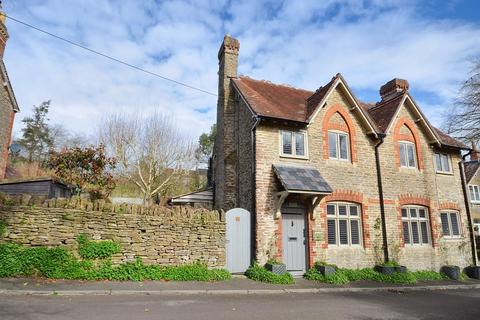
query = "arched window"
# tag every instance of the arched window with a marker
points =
(415, 225)
(406, 138)
(344, 225)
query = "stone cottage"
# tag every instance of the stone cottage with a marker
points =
(472, 176)
(329, 178)
(8, 104)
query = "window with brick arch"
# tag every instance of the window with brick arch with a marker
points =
(344, 224)
(338, 138)
(407, 149)
(415, 225)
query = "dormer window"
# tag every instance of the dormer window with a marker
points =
(293, 144)
(338, 145)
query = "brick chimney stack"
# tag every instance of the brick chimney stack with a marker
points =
(3, 31)
(392, 87)
(224, 167)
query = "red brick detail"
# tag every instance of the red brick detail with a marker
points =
(449, 206)
(344, 195)
(415, 138)
(349, 128)
(377, 201)
(323, 223)
(408, 198)
(310, 242)
(400, 226)
(4, 156)
(279, 237)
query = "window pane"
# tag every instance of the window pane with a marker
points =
(413, 213)
(331, 209)
(403, 161)
(299, 144)
(445, 163)
(355, 231)
(415, 235)
(342, 229)
(343, 141)
(455, 227)
(411, 155)
(332, 145)
(353, 210)
(406, 233)
(472, 193)
(477, 195)
(331, 232)
(404, 213)
(438, 161)
(287, 142)
(424, 230)
(342, 210)
(445, 226)
(421, 213)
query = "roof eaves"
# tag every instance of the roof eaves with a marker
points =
(9, 88)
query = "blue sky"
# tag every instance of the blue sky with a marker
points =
(301, 43)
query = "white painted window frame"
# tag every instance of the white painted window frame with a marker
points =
(294, 151)
(402, 142)
(417, 219)
(471, 190)
(337, 144)
(348, 218)
(449, 160)
(450, 229)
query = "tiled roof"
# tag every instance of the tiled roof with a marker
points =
(301, 178)
(288, 103)
(273, 100)
(471, 168)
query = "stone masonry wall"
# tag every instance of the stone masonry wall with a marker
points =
(6, 123)
(158, 235)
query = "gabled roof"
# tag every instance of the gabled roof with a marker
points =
(8, 87)
(471, 168)
(272, 100)
(283, 102)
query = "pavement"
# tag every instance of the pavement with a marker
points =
(237, 286)
(437, 304)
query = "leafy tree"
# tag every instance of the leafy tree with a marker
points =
(36, 138)
(206, 142)
(87, 169)
(463, 120)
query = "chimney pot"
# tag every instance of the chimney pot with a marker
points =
(393, 87)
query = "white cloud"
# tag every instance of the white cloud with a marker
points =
(302, 43)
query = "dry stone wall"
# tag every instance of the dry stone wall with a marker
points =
(160, 235)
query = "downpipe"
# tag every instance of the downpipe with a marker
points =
(380, 195)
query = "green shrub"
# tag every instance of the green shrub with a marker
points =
(3, 228)
(390, 264)
(258, 273)
(59, 263)
(343, 276)
(96, 249)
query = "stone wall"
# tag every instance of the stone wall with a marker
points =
(158, 235)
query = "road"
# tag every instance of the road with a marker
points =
(451, 304)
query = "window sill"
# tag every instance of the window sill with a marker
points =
(452, 238)
(444, 173)
(287, 156)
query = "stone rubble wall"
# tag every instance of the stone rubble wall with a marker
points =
(159, 235)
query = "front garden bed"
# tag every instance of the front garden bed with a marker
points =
(258, 273)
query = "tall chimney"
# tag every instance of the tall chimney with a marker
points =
(392, 87)
(225, 149)
(3, 31)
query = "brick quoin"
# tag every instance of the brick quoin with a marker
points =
(8, 140)
(397, 136)
(349, 128)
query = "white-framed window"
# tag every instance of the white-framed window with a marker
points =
(338, 145)
(415, 225)
(344, 224)
(442, 163)
(408, 156)
(293, 144)
(474, 193)
(450, 224)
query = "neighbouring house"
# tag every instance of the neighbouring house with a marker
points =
(47, 187)
(199, 199)
(472, 177)
(329, 178)
(8, 104)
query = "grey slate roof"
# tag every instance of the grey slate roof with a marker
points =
(301, 179)
(471, 168)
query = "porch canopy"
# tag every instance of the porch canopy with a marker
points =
(297, 179)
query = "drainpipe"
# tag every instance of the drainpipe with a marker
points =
(253, 236)
(380, 195)
(467, 208)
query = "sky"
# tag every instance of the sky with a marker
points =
(432, 44)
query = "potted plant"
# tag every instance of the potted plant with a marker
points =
(325, 268)
(275, 266)
(451, 271)
(473, 272)
(389, 268)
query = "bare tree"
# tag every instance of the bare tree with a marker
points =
(150, 151)
(463, 119)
